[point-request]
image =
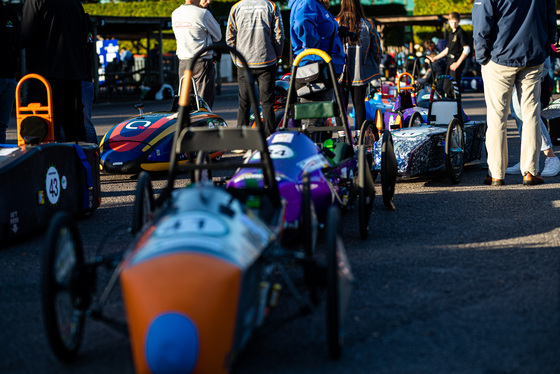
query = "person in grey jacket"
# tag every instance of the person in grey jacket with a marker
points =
(256, 30)
(512, 38)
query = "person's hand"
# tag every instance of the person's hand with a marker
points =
(430, 58)
(454, 66)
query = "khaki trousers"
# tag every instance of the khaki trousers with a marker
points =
(499, 81)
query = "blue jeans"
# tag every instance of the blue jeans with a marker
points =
(7, 95)
(87, 101)
(516, 114)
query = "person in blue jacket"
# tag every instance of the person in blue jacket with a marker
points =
(312, 26)
(512, 39)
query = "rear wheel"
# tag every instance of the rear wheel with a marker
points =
(389, 170)
(415, 120)
(334, 312)
(368, 136)
(396, 121)
(308, 216)
(202, 174)
(366, 191)
(455, 150)
(142, 212)
(65, 288)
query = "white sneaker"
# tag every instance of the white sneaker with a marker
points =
(515, 169)
(551, 167)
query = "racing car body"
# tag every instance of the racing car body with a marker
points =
(204, 267)
(293, 154)
(40, 176)
(220, 269)
(448, 137)
(144, 142)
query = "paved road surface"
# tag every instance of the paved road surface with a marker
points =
(459, 279)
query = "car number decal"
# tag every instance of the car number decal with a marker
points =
(52, 185)
(280, 151)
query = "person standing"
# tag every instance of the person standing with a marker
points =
(88, 90)
(512, 39)
(456, 51)
(551, 162)
(196, 28)
(53, 33)
(256, 30)
(9, 34)
(313, 26)
(362, 46)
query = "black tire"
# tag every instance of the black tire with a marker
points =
(415, 120)
(64, 288)
(142, 212)
(368, 133)
(334, 312)
(455, 150)
(202, 174)
(368, 136)
(308, 216)
(366, 191)
(389, 170)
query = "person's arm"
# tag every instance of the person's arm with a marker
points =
(551, 24)
(29, 22)
(279, 37)
(442, 54)
(375, 43)
(483, 22)
(213, 27)
(231, 29)
(305, 27)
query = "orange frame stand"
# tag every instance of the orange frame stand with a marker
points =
(35, 109)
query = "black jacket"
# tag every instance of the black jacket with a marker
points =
(54, 35)
(9, 37)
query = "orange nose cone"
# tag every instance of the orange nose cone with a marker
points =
(181, 311)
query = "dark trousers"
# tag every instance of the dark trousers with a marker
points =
(456, 75)
(204, 76)
(265, 79)
(358, 94)
(68, 114)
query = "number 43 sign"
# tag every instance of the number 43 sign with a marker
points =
(52, 185)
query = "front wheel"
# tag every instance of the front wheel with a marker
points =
(334, 312)
(65, 288)
(415, 120)
(389, 170)
(366, 191)
(142, 212)
(455, 150)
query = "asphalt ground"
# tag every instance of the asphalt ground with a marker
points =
(458, 279)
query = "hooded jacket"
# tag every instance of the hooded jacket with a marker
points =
(513, 33)
(255, 29)
(312, 26)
